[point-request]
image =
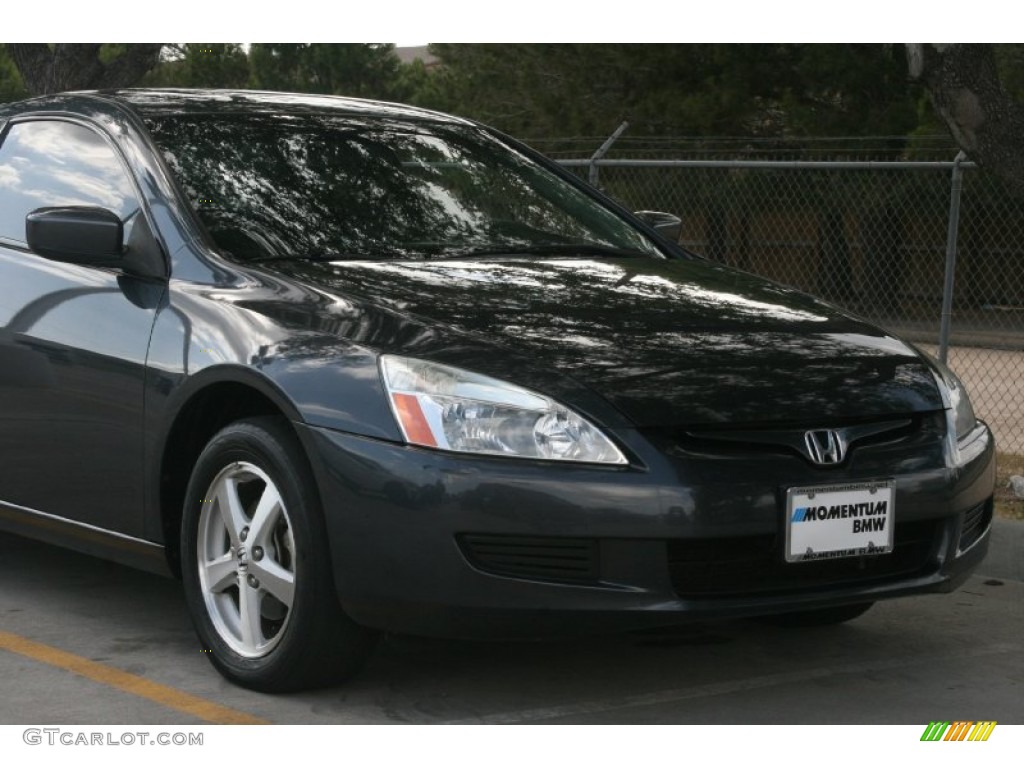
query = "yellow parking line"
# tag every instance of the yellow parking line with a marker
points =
(127, 682)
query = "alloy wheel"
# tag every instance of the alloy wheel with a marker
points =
(246, 559)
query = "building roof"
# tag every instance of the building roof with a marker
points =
(407, 54)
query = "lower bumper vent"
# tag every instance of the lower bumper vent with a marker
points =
(539, 558)
(976, 522)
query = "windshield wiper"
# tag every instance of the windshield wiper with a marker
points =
(568, 250)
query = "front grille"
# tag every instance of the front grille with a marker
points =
(976, 522)
(755, 565)
(539, 558)
(791, 439)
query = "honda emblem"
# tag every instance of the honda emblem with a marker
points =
(825, 446)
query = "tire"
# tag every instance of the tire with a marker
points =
(821, 617)
(256, 567)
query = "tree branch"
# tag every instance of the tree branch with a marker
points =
(128, 68)
(965, 89)
(77, 66)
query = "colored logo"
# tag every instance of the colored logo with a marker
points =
(959, 731)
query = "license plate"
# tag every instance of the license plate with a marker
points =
(832, 521)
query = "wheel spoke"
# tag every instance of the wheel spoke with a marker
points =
(230, 508)
(220, 573)
(267, 511)
(249, 610)
(275, 579)
(246, 559)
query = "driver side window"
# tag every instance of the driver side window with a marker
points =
(47, 163)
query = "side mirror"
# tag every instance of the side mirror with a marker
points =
(667, 225)
(79, 235)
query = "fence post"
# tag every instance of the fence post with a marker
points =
(592, 176)
(956, 186)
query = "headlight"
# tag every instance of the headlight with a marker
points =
(959, 403)
(438, 406)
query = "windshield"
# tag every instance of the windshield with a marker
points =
(327, 187)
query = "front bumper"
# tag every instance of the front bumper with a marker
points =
(405, 527)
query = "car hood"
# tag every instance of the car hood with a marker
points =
(681, 342)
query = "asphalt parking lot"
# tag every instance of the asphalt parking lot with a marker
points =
(85, 641)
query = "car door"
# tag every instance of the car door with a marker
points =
(73, 338)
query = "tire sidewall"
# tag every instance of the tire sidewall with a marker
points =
(252, 443)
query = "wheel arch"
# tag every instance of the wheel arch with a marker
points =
(214, 399)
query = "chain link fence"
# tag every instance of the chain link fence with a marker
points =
(875, 237)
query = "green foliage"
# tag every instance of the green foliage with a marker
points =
(850, 90)
(11, 87)
(202, 65)
(714, 89)
(416, 84)
(560, 90)
(1010, 63)
(111, 51)
(350, 69)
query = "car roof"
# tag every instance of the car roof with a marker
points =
(153, 102)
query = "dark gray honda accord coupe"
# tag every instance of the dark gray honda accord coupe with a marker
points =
(348, 367)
